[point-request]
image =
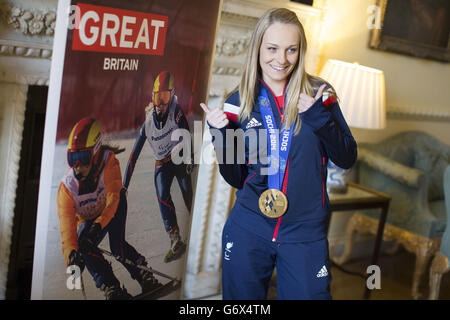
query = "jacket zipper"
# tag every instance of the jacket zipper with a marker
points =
(246, 180)
(323, 184)
(275, 99)
(275, 233)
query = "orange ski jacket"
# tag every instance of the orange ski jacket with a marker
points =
(100, 205)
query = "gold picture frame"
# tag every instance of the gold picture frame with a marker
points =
(416, 28)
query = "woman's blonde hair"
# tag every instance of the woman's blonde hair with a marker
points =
(299, 82)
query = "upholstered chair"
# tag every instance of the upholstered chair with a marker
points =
(440, 264)
(409, 166)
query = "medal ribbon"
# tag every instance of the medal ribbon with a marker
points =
(276, 151)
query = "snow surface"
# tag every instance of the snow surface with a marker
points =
(144, 230)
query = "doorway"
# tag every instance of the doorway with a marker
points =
(25, 212)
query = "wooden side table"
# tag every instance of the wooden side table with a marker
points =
(358, 197)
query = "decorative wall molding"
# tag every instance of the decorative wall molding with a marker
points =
(417, 113)
(226, 70)
(229, 46)
(16, 115)
(24, 79)
(27, 32)
(25, 49)
(237, 19)
(32, 21)
(211, 207)
(24, 70)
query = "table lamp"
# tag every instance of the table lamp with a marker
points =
(362, 99)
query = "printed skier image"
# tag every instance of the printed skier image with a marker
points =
(105, 229)
(163, 116)
(92, 203)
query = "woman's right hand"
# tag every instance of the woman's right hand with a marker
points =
(215, 117)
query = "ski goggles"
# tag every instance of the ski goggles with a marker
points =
(83, 157)
(161, 97)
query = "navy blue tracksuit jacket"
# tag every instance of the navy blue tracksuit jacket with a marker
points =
(324, 135)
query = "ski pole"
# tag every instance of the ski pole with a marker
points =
(82, 286)
(124, 260)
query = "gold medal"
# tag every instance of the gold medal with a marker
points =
(273, 203)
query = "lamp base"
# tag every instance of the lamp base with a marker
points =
(336, 178)
(337, 189)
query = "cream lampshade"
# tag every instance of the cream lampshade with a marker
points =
(362, 99)
(361, 93)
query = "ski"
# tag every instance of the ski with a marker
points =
(160, 292)
(120, 259)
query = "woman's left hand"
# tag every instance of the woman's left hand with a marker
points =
(305, 102)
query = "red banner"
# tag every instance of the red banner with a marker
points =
(105, 29)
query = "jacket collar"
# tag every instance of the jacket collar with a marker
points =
(271, 95)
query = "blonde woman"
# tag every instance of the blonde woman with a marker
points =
(281, 209)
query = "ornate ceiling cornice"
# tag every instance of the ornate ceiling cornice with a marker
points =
(25, 49)
(32, 21)
(27, 32)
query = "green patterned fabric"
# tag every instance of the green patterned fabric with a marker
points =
(410, 167)
(445, 244)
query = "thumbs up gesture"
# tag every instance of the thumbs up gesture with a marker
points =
(215, 117)
(305, 102)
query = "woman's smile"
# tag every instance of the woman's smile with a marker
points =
(278, 54)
